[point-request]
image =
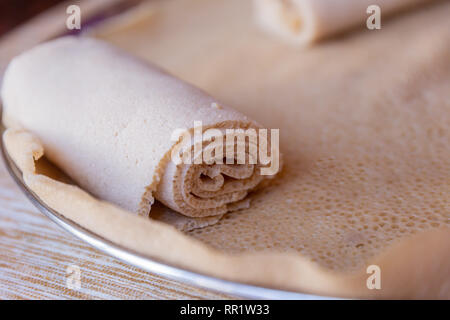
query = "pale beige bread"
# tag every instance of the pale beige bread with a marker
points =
(364, 131)
(285, 270)
(306, 21)
(364, 125)
(47, 25)
(108, 120)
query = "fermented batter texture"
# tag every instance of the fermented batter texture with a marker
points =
(108, 120)
(306, 21)
(364, 128)
(364, 124)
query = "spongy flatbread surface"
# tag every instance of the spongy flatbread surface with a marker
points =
(364, 124)
(107, 119)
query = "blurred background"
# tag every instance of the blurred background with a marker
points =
(15, 12)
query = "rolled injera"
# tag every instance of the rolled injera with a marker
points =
(108, 120)
(306, 21)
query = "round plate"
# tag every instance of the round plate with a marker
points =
(144, 262)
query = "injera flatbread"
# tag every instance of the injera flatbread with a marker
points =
(364, 130)
(306, 21)
(93, 106)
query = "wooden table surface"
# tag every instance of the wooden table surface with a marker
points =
(37, 256)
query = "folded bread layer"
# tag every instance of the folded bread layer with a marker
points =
(306, 21)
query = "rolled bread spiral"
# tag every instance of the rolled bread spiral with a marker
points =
(107, 119)
(306, 21)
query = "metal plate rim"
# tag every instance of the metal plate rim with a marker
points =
(147, 263)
